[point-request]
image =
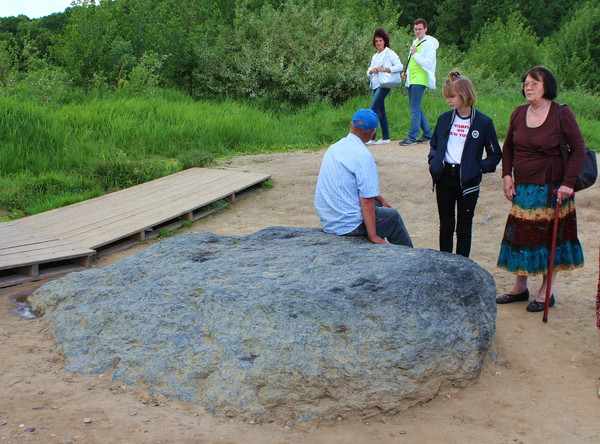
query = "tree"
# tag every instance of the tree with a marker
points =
(574, 48)
(503, 50)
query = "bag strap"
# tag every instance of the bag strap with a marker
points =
(410, 55)
(564, 146)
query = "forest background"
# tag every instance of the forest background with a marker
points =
(112, 93)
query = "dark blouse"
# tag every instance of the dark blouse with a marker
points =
(533, 154)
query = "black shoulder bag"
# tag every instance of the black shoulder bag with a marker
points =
(589, 171)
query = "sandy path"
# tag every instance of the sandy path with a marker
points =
(540, 385)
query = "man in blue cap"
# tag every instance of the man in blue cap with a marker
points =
(347, 197)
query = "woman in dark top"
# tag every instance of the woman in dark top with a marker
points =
(534, 179)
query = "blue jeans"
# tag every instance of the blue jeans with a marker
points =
(418, 119)
(378, 105)
(388, 224)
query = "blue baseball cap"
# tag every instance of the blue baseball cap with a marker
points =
(365, 119)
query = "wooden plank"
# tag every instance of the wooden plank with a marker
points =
(192, 196)
(60, 240)
(24, 252)
(128, 197)
(98, 225)
(40, 258)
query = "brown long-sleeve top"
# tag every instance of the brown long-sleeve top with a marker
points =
(532, 155)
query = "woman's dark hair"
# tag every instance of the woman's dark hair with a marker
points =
(545, 76)
(380, 32)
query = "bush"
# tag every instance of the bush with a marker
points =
(503, 51)
(575, 51)
(295, 54)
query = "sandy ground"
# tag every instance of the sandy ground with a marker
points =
(539, 385)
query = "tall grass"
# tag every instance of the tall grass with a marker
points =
(53, 156)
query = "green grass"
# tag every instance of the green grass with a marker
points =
(57, 155)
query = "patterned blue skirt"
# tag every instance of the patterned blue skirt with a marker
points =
(527, 241)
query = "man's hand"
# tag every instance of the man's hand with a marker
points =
(383, 202)
(377, 240)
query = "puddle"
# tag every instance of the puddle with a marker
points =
(23, 308)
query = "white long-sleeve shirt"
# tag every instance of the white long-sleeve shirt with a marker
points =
(426, 59)
(386, 58)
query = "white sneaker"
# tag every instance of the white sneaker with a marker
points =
(371, 142)
(382, 142)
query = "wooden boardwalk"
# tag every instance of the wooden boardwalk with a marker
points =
(65, 238)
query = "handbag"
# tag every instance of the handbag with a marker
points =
(389, 79)
(589, 170)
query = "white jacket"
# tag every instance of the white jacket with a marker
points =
(386, 58)
(426, 59)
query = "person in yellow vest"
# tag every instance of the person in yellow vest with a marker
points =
(420, 74)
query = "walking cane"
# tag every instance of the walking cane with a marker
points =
(551, 266)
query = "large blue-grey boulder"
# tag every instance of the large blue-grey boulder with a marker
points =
(284, 321)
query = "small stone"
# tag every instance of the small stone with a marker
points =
(251, 422)
(29, 429)
(287, 428)
(87, 421)
(133, 412)
(3, 422)
(339, 418)
(403, 432)
(37, 407)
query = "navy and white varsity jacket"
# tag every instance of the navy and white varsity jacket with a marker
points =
(481, 135)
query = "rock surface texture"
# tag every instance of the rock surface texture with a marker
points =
(284, 321)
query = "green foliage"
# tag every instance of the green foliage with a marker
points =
(575, 50)
(26, 193)
(7, 63)
(116, 174)
(145, 78)
(195, 158)
(165, 232)
(283, 56)
(503, 51)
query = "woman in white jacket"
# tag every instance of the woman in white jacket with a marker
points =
(384, 60)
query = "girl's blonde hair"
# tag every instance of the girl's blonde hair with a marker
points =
(459, 85)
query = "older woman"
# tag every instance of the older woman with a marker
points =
(384, 60)
(534, 179)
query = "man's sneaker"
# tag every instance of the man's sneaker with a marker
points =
(424, 139)
(371, 142)
(382, 142)
(407, 142)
